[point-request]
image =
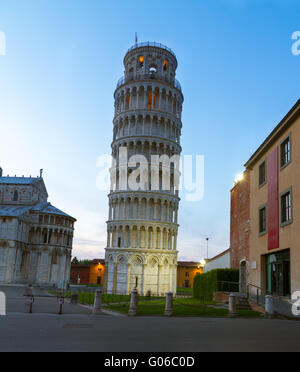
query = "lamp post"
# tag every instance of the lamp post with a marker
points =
(207, 239)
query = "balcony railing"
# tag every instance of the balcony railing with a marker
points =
(151, 44)
(149, 76)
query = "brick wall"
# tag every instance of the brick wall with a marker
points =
(240, 221)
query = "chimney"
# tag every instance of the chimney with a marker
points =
(1, 172)
(41, 173)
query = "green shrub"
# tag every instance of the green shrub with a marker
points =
(218, 280)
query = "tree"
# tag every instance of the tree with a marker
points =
(75, 261)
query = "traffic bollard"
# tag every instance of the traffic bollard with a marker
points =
(169, 304)
(232, 304)
(133, 303)
(97, 302)
(269, 307)
(61, 302)
(31, 301)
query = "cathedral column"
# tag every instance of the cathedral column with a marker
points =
(144, 268)
(146, 237)
(170, 289)
(108, 239)
(167, 217)
(176, 215)
(175, 242)
(155, 209)
(130, 236)
(161, 239)
(130, 99)
(145, 98)
(159, 100)
(143, 127)
(115, 277)
(139, 237)
(159, 279)
(105, 279)
(128, 278)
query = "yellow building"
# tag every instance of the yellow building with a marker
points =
(186, 272)
(274, 251)
(97, 269)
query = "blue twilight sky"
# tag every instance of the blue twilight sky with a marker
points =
(63, 59)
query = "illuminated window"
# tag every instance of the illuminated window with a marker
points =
(127, 102)
(141, 61)
(165, 65)
(151, 100)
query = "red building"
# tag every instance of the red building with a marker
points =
(239, 228)
(80, 274)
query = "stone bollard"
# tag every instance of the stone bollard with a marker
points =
(74, 298)
(133, 303)
(31, 301)
(269, 307)
(61, 302)
(232, 304)
(97, 302)
(169, 304)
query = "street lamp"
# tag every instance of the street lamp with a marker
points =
(207, 239)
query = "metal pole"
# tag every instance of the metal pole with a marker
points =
(207, 239)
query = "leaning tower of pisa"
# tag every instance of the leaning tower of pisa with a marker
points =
(142, 226)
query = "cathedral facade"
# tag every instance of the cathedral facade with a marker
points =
(142, 226)
(35, 237)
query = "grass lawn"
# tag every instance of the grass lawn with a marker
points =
(184, 291)
(182, 307)
(87, 298)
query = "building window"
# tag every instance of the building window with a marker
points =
(285, 152)
(119, 242)
(127, 102)
(262, 174)
(141, 62)
(262, 220)
(165, 65)
(187, 274)
(286, 208)
(16, 195)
